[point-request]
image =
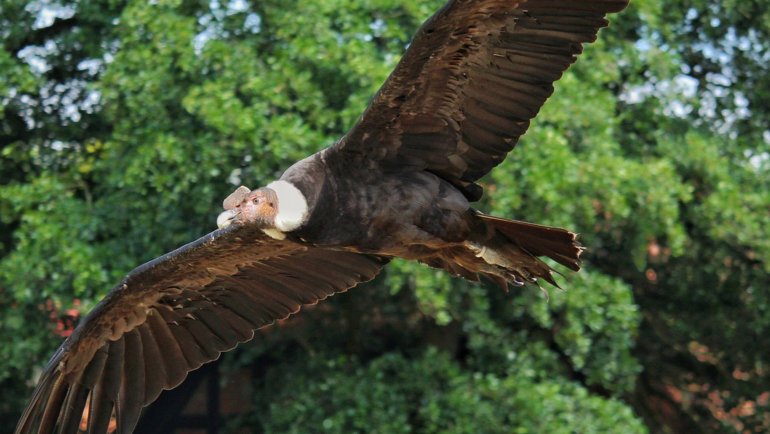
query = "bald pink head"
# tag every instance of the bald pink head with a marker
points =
(245, 206)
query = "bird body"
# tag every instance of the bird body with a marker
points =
(396, 212)
(400, 183)
(375, 209)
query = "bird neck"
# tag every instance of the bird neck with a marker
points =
(292, 206)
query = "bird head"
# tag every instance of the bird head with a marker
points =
(244, 206)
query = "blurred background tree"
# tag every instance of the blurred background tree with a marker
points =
(123, 123)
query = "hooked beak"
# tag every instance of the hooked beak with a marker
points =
(226, 218)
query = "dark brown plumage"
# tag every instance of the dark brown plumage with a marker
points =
(397, 185)
(467, 87)
(171, 315)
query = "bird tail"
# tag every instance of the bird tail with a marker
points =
(556, 243)
(516, 248)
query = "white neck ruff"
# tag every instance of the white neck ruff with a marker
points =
(292, 206)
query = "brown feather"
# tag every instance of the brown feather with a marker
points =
(77, 395)
(106, 389)
(556, 243)
(154, 369)
(131, 399)
(209, 343)
(193, 354)
(174, 364)
(198, 301)
(53, 383)
(444, 79)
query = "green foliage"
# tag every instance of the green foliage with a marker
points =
(430, 392)
(123, 123)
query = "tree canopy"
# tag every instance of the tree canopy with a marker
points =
(123, 123)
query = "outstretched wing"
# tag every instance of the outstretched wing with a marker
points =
(175, 313)
(471, 80)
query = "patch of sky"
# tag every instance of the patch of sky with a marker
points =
(46, 12)
(211, 23)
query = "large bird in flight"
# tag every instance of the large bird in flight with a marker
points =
(398, 184)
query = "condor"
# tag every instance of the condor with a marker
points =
(398, 184)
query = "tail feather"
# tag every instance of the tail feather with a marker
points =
(556, 243)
